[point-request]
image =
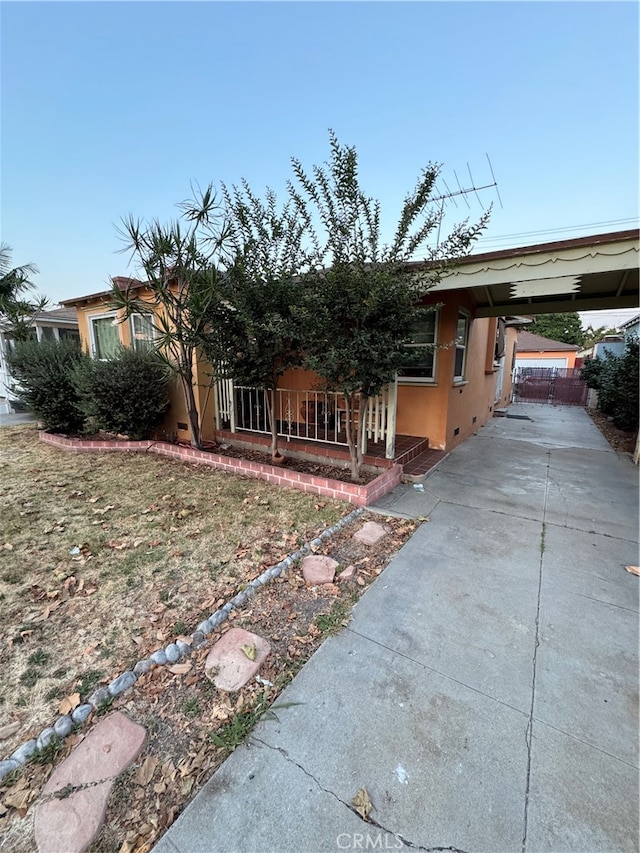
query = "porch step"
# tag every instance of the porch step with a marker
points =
(417, 468)
(408, 447)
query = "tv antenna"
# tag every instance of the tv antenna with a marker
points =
(463, 193)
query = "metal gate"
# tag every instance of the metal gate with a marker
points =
(559, 386)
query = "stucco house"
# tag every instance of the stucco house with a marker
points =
(56, 324)
(535, 351)
(469, 348)
(436, 403)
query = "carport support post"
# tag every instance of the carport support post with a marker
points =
(392, 404)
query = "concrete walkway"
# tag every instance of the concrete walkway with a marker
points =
(15, 418)
(485, 693)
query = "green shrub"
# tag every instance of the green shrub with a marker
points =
(127, 393)
(43, 375)
(615, 378)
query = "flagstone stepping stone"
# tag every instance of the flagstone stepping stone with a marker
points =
(347, 574)
(370, 533)
(235, 659)
(74, 800)
(317, 569)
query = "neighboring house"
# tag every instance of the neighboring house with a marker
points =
(613, 344)
(464, 374)
(535, 351)
(631, 327)
(57, 324)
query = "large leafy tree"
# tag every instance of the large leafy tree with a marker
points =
(361, 304)
(564, 326)
(17, 310)
(180, 262)
(257, 334)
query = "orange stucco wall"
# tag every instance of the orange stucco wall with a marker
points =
(569, 355)
(175, 424)
(444, 411)
(447, 412)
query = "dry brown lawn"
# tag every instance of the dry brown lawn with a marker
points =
(160, 544)
(106, 557)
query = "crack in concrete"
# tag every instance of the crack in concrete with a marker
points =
(602, 601)
(370, 821)
(592, 532)
(567, 502)
(529, 731)
(489, 509)
(586, 743)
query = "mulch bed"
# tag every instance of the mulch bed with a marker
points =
(316, 469)
(620, 440)
(302, 466)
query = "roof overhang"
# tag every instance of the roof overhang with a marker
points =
(583, 274)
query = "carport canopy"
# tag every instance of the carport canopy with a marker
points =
(581, 274)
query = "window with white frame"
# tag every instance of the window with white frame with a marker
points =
(462, 341)
(143, 332)
(105, 336)
(423, 367)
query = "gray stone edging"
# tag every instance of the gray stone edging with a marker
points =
(166, 656)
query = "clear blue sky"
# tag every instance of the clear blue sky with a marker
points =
(115, 108)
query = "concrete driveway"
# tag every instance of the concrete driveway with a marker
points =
(486, 691)
(14, 418)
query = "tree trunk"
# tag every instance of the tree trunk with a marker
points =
(192, 412)
(352, 442)
(270, 399)
(362, 413)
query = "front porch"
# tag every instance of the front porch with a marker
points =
(311, 425)
(412, 452)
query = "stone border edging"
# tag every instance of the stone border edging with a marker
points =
(323, 486)
(166, 656)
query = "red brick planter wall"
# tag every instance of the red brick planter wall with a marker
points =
(354, 494)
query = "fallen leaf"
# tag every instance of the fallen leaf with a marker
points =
(45, 613)
(250, 651)
(180, 668)
(17, 799)
(363, 803)
(8, 730)
(69, 703)
(634, 570)
(145, 772)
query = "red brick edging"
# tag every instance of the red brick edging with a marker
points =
(354, 494)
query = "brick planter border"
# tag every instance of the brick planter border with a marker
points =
(357, 495)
